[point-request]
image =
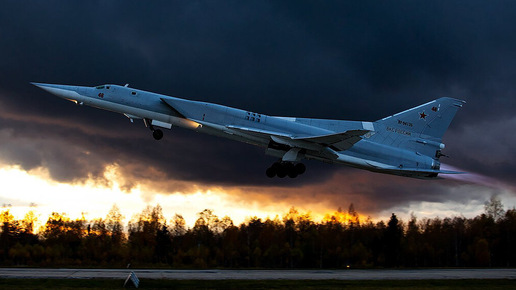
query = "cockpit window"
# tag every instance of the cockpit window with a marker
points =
(99, 87)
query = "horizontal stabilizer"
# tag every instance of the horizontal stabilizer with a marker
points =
(386, 167)
(430, 171)
(417, 173)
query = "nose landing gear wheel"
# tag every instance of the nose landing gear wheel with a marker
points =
(157, 134)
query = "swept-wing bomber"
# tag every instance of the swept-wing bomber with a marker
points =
(408, 143)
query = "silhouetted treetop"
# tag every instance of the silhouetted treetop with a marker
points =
(342, 239)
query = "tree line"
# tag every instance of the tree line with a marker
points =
(341, 240)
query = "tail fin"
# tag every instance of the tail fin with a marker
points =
(431, 119)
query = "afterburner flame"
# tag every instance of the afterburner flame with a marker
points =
(470, 177)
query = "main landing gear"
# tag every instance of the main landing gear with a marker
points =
(156, 133)
(282, 169)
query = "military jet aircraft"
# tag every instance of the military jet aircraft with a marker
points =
(406, 144)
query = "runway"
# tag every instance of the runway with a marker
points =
(445, 274)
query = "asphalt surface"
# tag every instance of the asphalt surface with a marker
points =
(24, 273)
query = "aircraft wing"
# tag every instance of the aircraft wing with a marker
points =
(337, 142)
(169, 104)
(258, 132)
(322, 143)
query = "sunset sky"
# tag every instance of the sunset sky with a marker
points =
(358, 60)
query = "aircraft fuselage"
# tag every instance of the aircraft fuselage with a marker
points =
(387, 146)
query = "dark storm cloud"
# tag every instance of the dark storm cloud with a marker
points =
(489, 148)
(75, 151)
(360, 61)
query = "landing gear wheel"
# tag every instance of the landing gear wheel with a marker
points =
(157, 134)
(271, 172)
(292, 174)
(300, 168)
(281, 170)
(291, 170)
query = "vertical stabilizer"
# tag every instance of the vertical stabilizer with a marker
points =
(428, 120)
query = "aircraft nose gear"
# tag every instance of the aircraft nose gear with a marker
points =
(156, 133)
(282, 169)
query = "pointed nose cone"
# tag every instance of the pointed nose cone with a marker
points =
(39, 85)
(63, 91)
(53, 87)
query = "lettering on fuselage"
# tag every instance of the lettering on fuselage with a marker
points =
(399, 131)
(408, 124)
(254, 117)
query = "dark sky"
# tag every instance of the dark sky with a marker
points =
(352, 60)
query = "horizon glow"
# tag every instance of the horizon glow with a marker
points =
(91, 200)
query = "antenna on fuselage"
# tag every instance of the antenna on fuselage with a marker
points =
(126, 85)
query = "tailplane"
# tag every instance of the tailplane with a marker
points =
(428, 120)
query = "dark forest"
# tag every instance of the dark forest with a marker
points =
(293, 241)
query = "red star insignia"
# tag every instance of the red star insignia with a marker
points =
(422, 115)
(435, 109)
